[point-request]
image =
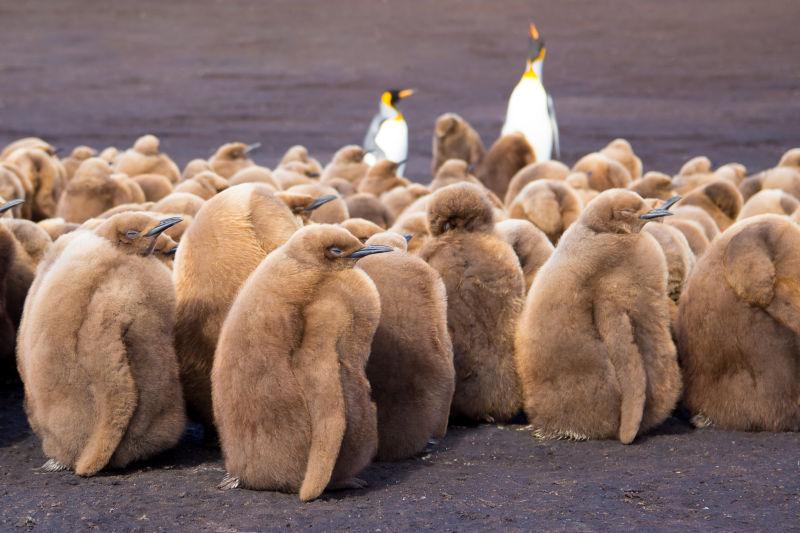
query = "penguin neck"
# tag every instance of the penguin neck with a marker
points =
(388, 111)
(533, 71)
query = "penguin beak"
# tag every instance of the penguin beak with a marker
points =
(405, 93)
(250, 147)
(534, 31)
(171, 251)
(8, 205)
(661, 211)
(369, 250)
(163, 226)
(319, 202)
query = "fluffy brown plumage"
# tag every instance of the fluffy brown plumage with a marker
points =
(230, 158)
(738, 328)
(454, 138)
(602, 172)
(145, 158)
(410, 366)
(307, 421)
(548, 170)
(347, 163)
(530, 244)
(365, 205)
(551, 205)
(594, 351)
(229, 237)
(204, 184)
(114, 323)
(720, 199)
(506, 157)
(485, 292)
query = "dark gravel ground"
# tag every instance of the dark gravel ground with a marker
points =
(677, 78)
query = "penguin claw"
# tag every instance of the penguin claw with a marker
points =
(542, 435)
(431, 446)
(701, 421)
(488, 419)
(228, 482)
(52, 466)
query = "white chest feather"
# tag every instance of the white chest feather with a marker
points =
(528, 114)
(392, 139)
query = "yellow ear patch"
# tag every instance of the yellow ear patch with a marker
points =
(386, 98)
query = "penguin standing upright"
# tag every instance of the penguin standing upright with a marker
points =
(387, 136)
(530, 108)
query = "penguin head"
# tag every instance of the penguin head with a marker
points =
(390, 238)
(460, 207)
(328, 248)
(791, 159)
(302, 205)
(391, 97)
(361, 228)
(235, 150)
(622, 211)
(349, 154)
(536, 52)
(211, 180)
(135, 233)
(147, 145)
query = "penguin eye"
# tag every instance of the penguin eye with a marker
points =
(334, 250)
(131, 234)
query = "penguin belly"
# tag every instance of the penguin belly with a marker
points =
(527, 113)
(392, 139)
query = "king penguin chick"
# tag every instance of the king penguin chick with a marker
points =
(549, 170)
(367, 206)
(399, 198)
(382, 177)
(73, 160)
(255, 174)
(231, 158)
(8, 252)
(505, 158)
(720, 199)
(11, 188)
(362, 229)
(229, 237)
(205, 185)
(602, 172)
(454, 138)
(41, 178)
(194, 167)
(551, 205)
(773, 201)
(94, 190)
(332, 212)
(299, 153)
(387, 136)
(410, 365)
(178, 202)
(594, 350)
(530, 244)
(485, 292)
(146, 158)
(100, 374)
(621, 151)
(738, 329)
(415, 225)
(154, 186)
(653, 185)
(307, 422)
(348, 164)
(530, 108)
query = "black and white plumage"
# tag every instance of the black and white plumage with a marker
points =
(387, 136)
(531, 110)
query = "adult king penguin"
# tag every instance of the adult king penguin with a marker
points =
(530, 108)
(387, 136)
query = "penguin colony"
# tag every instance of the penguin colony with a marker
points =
(314, 318)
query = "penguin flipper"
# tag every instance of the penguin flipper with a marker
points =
(112, 384)
(369, 139)
(316, 368)
(616, 330)
(551, 111)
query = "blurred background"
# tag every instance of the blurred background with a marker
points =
(678, 78)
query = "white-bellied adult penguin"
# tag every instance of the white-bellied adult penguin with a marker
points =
(387, 136)
(530, 107)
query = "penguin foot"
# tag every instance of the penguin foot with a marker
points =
(349, 484)
(431, 446)
(701, 421)
(541, 434)
(52, 466)
(228, 482)
(488, 419)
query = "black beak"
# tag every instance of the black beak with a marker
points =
(171, 251)
(312, 174)
(662, 210)
(8, 205)
(403, 162)
(163, 226)
(319, 202)
(57, 150)
(408, 237)
(250, 147)
(369, 250)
